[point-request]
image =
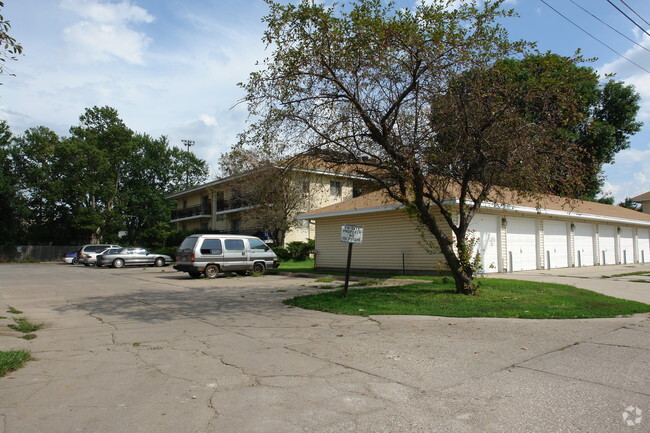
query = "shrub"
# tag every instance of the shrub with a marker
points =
(282, 253)
(300, 251)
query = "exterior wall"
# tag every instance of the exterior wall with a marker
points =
(385, 236)
(218, 218)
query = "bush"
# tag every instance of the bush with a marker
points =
(282, 253)
(299, 251)
(169, 251)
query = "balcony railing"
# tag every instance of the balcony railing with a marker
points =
(202, 210)
(223, 205)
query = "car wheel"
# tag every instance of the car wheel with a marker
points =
(118, 263)
(75, 261)
(195, 274)
(159, 262)
(259, 268)
(211, 271)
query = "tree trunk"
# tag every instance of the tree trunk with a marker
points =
(462, 277)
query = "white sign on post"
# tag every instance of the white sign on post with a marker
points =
(351, 234)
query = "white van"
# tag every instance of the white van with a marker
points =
(211, 255)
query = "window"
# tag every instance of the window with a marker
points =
(211, 246)
(336, 189)
(235, 225)
(257, 244)
(234, 244)
(184, 204)
(204, 226)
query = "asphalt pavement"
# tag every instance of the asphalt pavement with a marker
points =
(151, 350)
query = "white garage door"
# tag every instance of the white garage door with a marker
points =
(607, 240)
(556, 244)
(627, 245)
(485, 229)
(583, 239)
(644, 245)
(521, 240)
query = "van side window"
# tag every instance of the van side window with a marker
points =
(257, 244)
(211, 246)
(234, 244)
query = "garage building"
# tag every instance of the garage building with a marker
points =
(510, 237)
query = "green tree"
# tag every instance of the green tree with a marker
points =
(609, 110)
(101, 180)
(11, 49)
(12, 205)
(153, 171)
(413, 99)
(630, 204)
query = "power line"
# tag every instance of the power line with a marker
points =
(635, 12)
(626, 16)
(594, 37)
(620, 33)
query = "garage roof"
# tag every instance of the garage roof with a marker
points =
(379, 201)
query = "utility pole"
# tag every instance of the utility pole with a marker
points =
(188, 143)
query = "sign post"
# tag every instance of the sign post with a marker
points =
(351, 234)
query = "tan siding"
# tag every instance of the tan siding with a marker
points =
(385, 235)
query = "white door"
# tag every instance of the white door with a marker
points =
(644, 245)
(484, 229)
(521, 241)
(583, 239)
(556, 244)
(607, 241)
(627, 245)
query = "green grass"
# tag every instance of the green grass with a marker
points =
(627, 274)
(12, 310)
(497, 298)
(25, 326)
(13, 360)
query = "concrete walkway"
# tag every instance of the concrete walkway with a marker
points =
(607, 280)
(151, 350)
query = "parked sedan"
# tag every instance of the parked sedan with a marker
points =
(71, 258)
(120, 257)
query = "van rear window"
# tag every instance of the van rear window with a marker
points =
(211, 246)
(188, 244)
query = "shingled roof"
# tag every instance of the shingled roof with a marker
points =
(379, 201)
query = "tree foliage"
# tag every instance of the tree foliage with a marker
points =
(274, 188)
(607, 111)
(424, 102)
(10, 48)
(101, 180)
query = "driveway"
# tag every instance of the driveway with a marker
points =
(151, 350)
(608, 280)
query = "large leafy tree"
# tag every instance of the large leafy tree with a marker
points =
(12, 205)
(154, 170)
(608, 110)
(101, 180)
(421, 101)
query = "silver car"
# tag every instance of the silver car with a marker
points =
(121, 257)
(87, 254)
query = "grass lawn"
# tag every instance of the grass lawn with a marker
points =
(13, 360)
(497, 298)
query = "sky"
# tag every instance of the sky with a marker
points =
(171, 67)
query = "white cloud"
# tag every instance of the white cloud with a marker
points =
(104, 33)
(632, 156)
(208, 120)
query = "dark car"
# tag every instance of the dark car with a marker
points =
(120, 257)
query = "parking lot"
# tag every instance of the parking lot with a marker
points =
(152, 350)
